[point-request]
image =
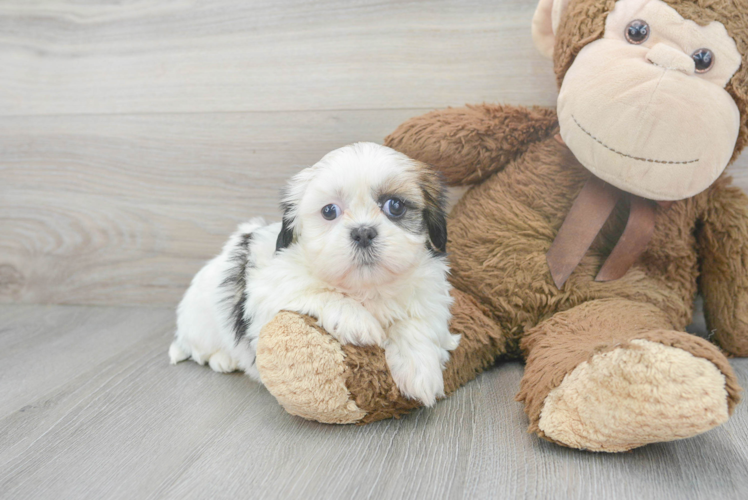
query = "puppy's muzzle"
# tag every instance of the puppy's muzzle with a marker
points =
(363, 236)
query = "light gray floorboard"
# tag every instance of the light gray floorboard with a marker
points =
(103, 415)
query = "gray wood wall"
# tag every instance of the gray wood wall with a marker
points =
(135, 135)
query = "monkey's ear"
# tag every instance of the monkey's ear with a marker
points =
(545, 25)
(434, 208)
(289, 206)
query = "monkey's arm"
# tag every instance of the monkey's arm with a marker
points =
(723, 244)
(469, 144)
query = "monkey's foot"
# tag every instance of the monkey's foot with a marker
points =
(642, 393)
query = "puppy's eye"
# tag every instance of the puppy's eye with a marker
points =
(394, 207)
(637, 32)
(331, 211)
(703, 59)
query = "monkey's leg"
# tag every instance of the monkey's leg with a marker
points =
(313, 376)
(612, 375)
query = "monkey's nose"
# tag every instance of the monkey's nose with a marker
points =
(668, 57)
(362, 236)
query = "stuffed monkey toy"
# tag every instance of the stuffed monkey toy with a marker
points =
(585, 235)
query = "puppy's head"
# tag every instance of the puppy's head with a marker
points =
(365, 215)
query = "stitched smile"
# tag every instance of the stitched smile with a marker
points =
(629, 156)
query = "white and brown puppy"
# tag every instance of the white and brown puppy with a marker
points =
(361, 248)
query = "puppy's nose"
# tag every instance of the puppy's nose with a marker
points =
(362, 236)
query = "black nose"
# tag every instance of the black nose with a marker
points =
(363, 236)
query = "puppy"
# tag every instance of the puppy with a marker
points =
(361, 248)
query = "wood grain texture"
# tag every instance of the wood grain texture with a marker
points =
(125, 209)
(135, 135)
(105, 416)
(166, 56)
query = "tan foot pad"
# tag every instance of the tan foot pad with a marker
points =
(629, 397)
(304, 369)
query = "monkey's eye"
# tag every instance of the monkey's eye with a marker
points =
(331, 211)
(637, 32)
(703, 59)
(394, 207)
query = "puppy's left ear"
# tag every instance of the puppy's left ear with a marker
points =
(285, 237)
(434, 209)
(289, 206)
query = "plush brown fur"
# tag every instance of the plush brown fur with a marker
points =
(371, 385)
(524, 182)
(499, 234)
(497, 134)
(722, 235)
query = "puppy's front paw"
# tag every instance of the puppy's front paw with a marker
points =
(222, 362)
(352, 325)
(417, 375)
(176, 353)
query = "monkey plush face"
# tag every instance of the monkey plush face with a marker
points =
(644, 107)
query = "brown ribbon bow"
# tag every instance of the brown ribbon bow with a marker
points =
(589, 212)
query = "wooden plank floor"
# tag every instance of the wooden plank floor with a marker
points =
(90, 408)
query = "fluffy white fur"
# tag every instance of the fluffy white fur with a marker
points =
(395, 294)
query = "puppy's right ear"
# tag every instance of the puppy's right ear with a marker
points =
(292, 195)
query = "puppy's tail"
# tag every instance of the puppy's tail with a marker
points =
(177, 353)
